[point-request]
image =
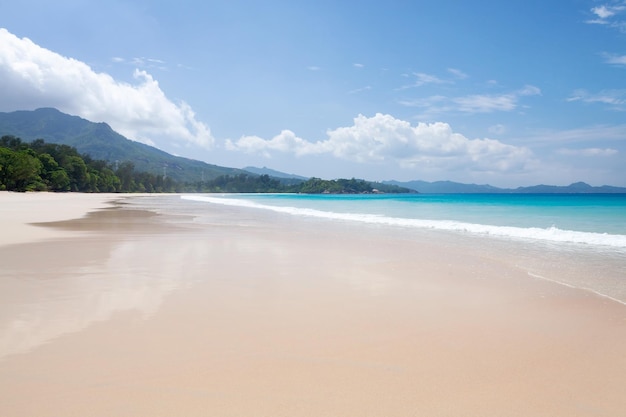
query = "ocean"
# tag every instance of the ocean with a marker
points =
(598, 220)
(577, 240)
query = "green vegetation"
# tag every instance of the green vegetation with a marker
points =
(240, 183)
(244, 183)
(340, 186)
(99, 141)
(41, 166)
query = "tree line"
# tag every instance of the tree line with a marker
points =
(41, 166)
(244, 183)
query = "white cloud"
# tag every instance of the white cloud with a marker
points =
(423, 79)
(614, 98)
(426, 102)
(603, 11)
(485, 103)
(606, 15)
(360, 90)
(32, 77)
(498, 129)
(145, 63)
(383, 138)
(588, 152)
(528, 90)
(476, 103)
(585, 135)
(615, 59)
(286, 141)
(458, 73)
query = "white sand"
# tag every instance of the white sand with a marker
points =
(18, 210)
(280, 318)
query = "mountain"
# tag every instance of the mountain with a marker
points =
(446, 187)
(273, 173)
(286, 179)
(99, 141)
(575, 188)
(449, 187)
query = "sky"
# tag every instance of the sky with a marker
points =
(512, 93)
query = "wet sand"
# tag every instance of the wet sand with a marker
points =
(131, 313)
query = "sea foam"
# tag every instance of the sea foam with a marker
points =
(551, 234)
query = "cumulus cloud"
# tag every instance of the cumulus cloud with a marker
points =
(383, 138)
(286, 141)
(32, 77)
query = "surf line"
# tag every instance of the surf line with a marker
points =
(576, 288)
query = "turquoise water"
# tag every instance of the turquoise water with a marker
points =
(578, 241)
(597, 220)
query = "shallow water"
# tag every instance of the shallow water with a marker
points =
(575, 240)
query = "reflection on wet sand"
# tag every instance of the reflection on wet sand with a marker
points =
(140, 316)
(54, 289)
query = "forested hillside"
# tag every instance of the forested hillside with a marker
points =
(99, 141)
(41, 166)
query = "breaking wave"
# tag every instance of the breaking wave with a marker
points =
(551, 234)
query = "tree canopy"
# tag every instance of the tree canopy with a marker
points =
(41, 166)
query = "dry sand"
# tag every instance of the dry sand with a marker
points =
(19, 210)
(126, 313)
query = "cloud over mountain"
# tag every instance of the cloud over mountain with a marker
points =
(32, 77)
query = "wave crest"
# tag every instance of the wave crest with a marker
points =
(551, 234)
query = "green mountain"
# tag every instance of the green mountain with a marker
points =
(99, 141)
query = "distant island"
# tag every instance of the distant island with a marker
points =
(449, 187)
(48, 150)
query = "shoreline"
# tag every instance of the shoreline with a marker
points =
(595, 267)
(257, 314)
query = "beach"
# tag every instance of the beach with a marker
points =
(111, 306)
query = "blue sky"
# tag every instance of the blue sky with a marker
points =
(507, 93)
